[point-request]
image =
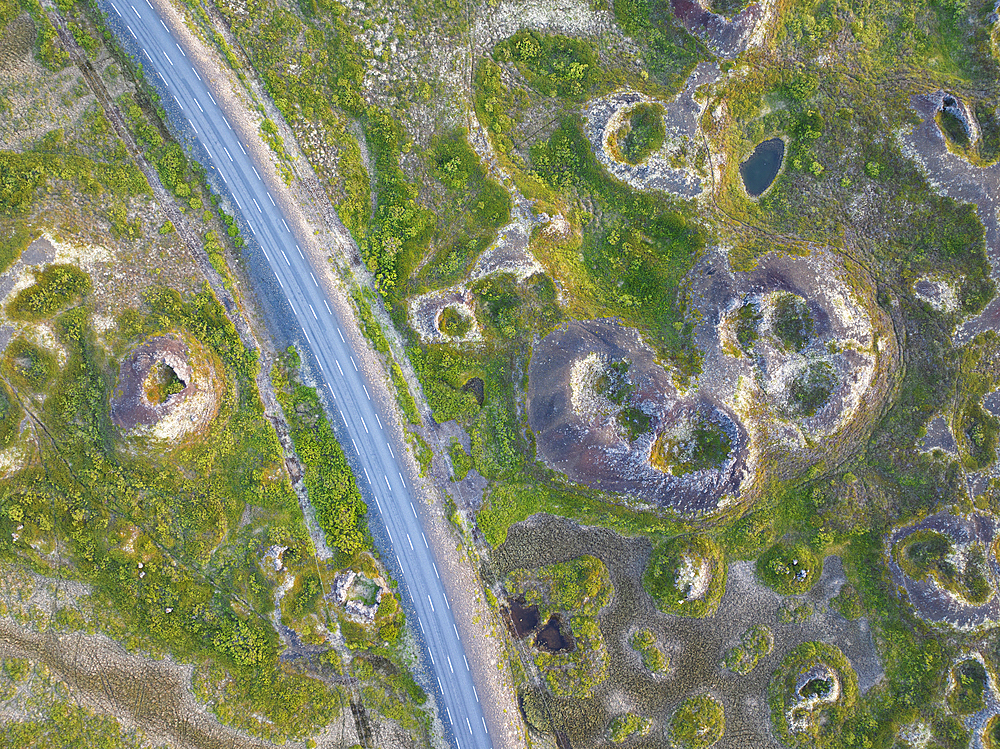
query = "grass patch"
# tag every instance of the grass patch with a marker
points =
(789, 569)
(811, 389)
(927, 554)
(686, 576)
(461, 463)
(553, 64)
(698, 723)
(755, 644)
(644, 642)
(55, 288)
(793, 323)
(625, 726)
(453, 323)
(707, 447)
(27, 366)
(642, 134)
(969, 693)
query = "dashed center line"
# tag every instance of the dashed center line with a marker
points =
(341, 371)
(286, 226)
(196, 74)
(179, 49)
(227, 153)
(449, 664)
(354, 363)
(135, 11)
(413, 509)
(390, 450)
(270, 198)
(256, 204)
(199, 106)
(167, 56)
(132, 33)
(438, 576)
(409, 541)
(366, 394)
(466, 662)
(286, 259)
(212, 98)
(164, 26)
(243, 149)
(363, 424)
(468, 724)
(116, 10)
(314, 312)
(315, 282)
(481, 717)
(475, 693)
(430, 602)
(387, 482)
(327, 307)
(425, 540)
(256, 172)
(341, 336)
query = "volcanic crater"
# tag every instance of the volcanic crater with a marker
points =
(600, 405)
(168, 388)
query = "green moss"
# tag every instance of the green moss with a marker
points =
(623, 727)
(968, 694)
(818, 726)
(453, 323)
(755, 644)
(792, 323)
(926, 554)
(555, 65)
(27, 366)
(707, 447)
(789, 569)
(643, 134)
(581, 586)
(747, 321)
(162, 382)
(698, 723)
(55, 288)
(811, 389)
(11, 415)
(680, 564)
(848, 603)
(461, 463)
(654, 659)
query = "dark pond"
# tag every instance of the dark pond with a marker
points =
(759, 171)
(551, 637)
(523, 619)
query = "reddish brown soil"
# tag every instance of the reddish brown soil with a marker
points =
(130, 408)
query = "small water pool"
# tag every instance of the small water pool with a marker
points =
(759, 171)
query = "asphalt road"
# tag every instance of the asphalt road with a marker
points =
(145, 35)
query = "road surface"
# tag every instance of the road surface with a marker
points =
(188, 100)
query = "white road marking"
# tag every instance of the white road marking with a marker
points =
(168, 57)
(116, 10)
(327, 307)
(448, 606)
(366, 474)
(162, 78)
(341, 336)
(430, 601)
(468, 724)
(224, 178)
(425, 540)
(270, 198)
(366, 395)
(241, 208)
(256, 172)
(243, 149)
(135, 11)
(421, 624)
(212, 98)
(132, 33)
(179, 49)
(177, 102)
(379, 508)
(409, 541)
(436, 571)
(413, 509)
(164, 26)
(300, 252)
(294, 312)
(196, 74)
(481, 717)
(354, 363)
(449, 663)
(453, 623)
(477, 697)
(191, 123)
(314, 312)
(363, 424)
(341, 371)
(208, 152)
(286, 259)
(199, 106)
(390, 450)
(286, 226)
(379, 422)
(227, 122)
(466, 662)
(318, 361)
(390, 536)
(227, 153)
(401, 480)
(279, 282)
(352, 438)
(256, 204)
(387, 482)
(398, 563)
(150, 6)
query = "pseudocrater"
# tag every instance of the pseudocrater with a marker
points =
(168, 388)
(762, 166)
(607, 415)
